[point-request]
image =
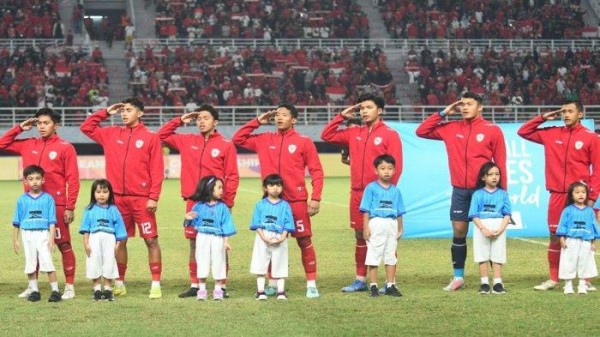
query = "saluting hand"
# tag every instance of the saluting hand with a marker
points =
(349, 111)
(453, 108)
(551, 115)
(189, 117)
(113, 109)
(26, 125)
(266, 117)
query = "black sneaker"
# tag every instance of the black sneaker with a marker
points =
(192, 292)
(97, 295)
(34, 296)
(498, 289)
(484, 289)
(374, 291)
(108, 295)
(393, 291)
(55, 297)
(225, 293)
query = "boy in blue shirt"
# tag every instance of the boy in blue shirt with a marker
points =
(35, 220)
(382, 209)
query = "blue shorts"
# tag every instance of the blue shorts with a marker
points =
(460, 204)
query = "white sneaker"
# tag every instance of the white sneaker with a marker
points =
(568, 289)
(590, 286)
(69, 292)
(546, 285)
(26, 293)
(582, 289)
(455, 284)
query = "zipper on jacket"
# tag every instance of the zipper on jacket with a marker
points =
(125, 159)
(43, 150)
(362, 173)
(279, 159)
(467, 157)
(202, 156)
(565, 187)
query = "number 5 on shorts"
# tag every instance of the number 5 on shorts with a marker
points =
(299, 226)
(146, 228)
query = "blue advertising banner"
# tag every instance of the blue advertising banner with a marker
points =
(426, 190)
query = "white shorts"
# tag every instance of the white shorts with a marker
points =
(383, 242)
(577, 260)
(262, 254)
(102, 261)
(35, 246)
(489, 249)
(210, 256)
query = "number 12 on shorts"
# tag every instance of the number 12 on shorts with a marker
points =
(146, 228)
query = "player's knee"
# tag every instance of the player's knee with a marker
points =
(151, 242)
(65, 247)
(554, 238)
(358, 234)
(304, 242)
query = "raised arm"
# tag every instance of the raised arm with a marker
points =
(332, 134)
(531, 131)
(9, 142)
(244, 137)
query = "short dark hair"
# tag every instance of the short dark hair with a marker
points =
(578, 104)
(379, 101)
(354, 121)
(55, 117)
(290, 107)
(211, 109)
(270, 180)
(33, 169)
(384, 158)
(136, 102)
(476, 97)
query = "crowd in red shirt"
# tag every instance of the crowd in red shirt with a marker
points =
(30, 19)
(260, 19)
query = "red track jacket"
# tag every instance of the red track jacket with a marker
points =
(469, 144)
(134, 160)
(364, 147)
(287, 154)
(201, 157)
(56, 156)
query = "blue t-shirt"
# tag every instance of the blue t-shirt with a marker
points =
(489, 205)
(578, 223)
(106, 219)
(35, 213)
(382, 202)
(212, 219)
(274, 217)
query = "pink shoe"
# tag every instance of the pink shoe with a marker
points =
(202, 295)
(218, 295)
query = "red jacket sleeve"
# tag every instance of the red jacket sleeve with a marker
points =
(232, 177)
(331, 134)
(9, 142)
(244, 137)
(91, 126)
(595, 176)
(71, 177)
(499, 157)
(429, 127)
(530, 130)
(311, 158)
(395, 149)
(157, 170)
(167, 133)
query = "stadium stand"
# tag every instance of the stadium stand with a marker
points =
(30, 19)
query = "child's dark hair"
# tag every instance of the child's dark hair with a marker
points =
(572, 187)
(483, 171)
(353, 121)
(211, 109)
(102, 183)
(204, 190)
(384, 158)
(379, 101)
(136, 102)
(290, 107)
(55, 117)
(477, 98)
(32, 169)
(270, 180)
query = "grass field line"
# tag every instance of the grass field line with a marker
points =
(323, 202)
(540, 243)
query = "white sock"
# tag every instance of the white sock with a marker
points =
(97, 287)
(389, 284)
(311, 283)
(582, 282)
(155, 284)
(69, 286)
(280, 285)
(568, 283)
(54, 286)
(497, 280)
(194, 285)
(119, 283)
(217, 286)
(109, 288)
(361, 278)
(485, 280)
(372, 284)
(33, 285)
(260, 284)
(202, 286)
(272, 283)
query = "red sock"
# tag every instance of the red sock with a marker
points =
(360, 254)
(122, 267)
(155, 270)
(68, 260)
(193, 267)
(309, 258)
(553, 260)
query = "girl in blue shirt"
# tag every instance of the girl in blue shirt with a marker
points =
(103, 231)
(578, 232)
(214, 225)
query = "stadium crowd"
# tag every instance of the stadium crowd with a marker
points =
(247, 76)
(260, 19)
(483, 19)
(30, 19)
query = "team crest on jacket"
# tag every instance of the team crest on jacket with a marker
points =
(139, 143)
(214, 152)
(292, 148)
(52, 155)
(479, 137)
(377, 140)
(578, 145)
